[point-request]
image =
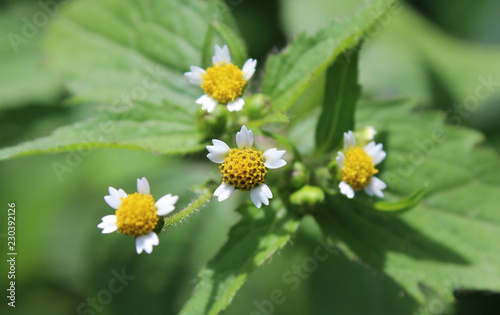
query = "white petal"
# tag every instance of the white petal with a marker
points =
(223, 191)
(146, 242)
(117, 194)
(273, 158)
(218, 151)
(340, 159)
(261, 195)
(378, 183)
(375, 151)
(236, 105)
(109, 228)
(375, 187)
(108, 224)
(266, 191)
(195, 76)
(139, 243)
(207, 103)
(369, 190)
(221, 56)
(165, 204)
(369, 146)
(143, 186)
(347, 190)
(249, 69)
(114, 200)
(244, 138)
(379, 157)
(349, 140)
(111, 218)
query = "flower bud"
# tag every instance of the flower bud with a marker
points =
(307, 196)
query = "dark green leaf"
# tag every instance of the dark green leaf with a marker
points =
(258, 235)
(449, 241)
(341, 95)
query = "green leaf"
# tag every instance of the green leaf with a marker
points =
(442, 53)
(130, 57)
(163, 130)
(449, 241)
(417, 58)
(299, 16)
(289, 73)
(258, 235)
(341, 95)
(396, 206)
(383, 52)
(22, 79)
(218, 34)
(132, 51)
(399, 206)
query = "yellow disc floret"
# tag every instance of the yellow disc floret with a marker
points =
(358, 168)
(223, 82)
(244, 168)
(137, 215)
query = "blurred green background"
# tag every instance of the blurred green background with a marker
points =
(432, 50)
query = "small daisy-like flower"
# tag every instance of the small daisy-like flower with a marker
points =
(137, 215)
(358, 167)
(244, 168)
(223, 83)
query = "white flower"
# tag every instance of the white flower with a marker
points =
(244, 168)
(137, 214)
(358, 167)
(223, 83)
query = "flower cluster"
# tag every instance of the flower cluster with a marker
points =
(243, 168)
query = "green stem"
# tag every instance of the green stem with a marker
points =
(204, 196)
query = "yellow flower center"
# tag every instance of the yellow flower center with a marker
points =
(358, 168)
(223, 82)
(244, 169)
(137, 215)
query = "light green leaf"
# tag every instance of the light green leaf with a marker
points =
(417, 58)
(219, 34)
(132, 51)
(341, 95)
(396, 206)
(289, 73)
(449, 240)
(472, 90)
(164, 130)
(22, 78)
(131, 57)
(258, 235)
(299, 16)
(443, 53)
(399, 206)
